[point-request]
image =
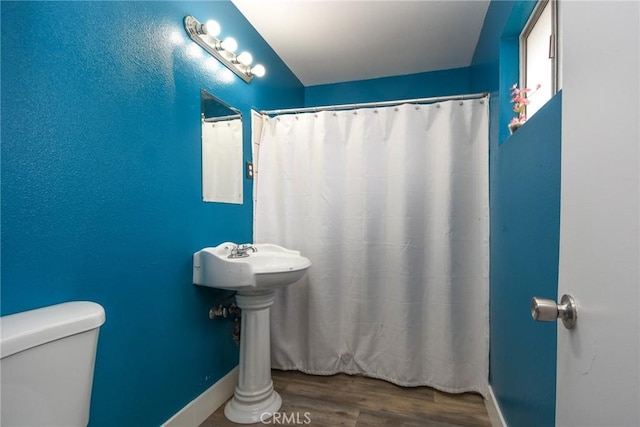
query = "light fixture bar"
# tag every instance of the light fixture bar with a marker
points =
(197, 33)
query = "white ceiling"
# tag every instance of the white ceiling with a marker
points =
(331, 41)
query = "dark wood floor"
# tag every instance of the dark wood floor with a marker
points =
(357, 401)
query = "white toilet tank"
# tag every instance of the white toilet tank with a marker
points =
(46, 369)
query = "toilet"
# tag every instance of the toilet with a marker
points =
(46, 365)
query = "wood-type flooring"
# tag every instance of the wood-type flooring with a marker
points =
(358, 401)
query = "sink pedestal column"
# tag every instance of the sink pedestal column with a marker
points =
(254, 399)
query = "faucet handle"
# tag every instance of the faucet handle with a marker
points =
(240, 251)
(233, 250)
(246, 247)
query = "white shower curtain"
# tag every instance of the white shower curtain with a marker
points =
(391, 207)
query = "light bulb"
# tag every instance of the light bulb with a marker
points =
(245, 58)
(229, 44)
(258, 70)
(212, 28)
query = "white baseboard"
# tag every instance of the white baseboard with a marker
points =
(200, 408)
(493, 409)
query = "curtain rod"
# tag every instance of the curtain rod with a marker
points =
(376, 104)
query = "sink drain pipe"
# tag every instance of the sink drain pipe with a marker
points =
(232, 311)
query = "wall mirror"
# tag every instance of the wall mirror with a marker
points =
(221, 150)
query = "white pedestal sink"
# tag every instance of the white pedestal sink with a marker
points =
(255, 272)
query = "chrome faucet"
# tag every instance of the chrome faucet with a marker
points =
(240, 251)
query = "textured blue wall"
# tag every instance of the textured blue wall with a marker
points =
(101, 193)
(101, 188)
(486, 58)
(525, 222)
(525, 229)
(421, 85)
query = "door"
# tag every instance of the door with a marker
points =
(598, 361)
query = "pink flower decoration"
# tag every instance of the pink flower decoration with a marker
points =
(520, 99)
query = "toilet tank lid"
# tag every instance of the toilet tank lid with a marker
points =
(31, 328)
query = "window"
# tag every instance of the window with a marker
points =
(539, 55)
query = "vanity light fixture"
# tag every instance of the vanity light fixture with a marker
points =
(206, 36)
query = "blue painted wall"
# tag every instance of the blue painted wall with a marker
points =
(101, 193)
(421, 85)
(101, 189)
(525, 228)
(525, 223)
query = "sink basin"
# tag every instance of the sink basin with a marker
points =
(269, 267)
(255, 272)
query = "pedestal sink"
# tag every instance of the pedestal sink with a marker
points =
(255, 272)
